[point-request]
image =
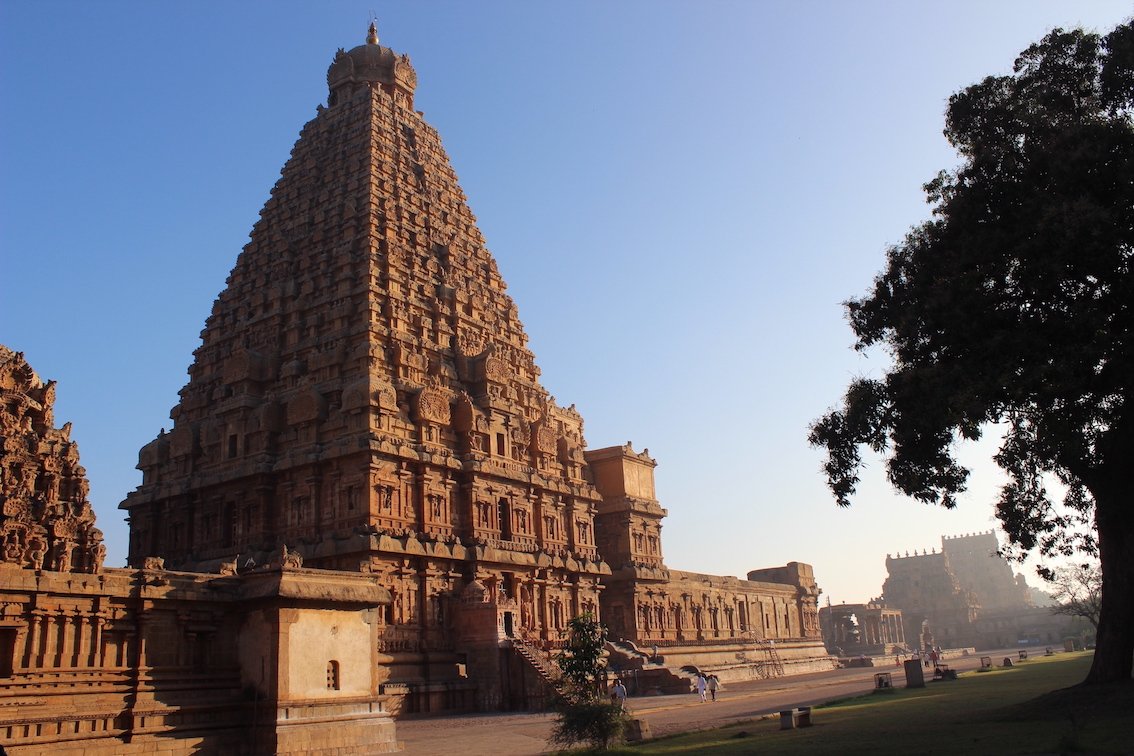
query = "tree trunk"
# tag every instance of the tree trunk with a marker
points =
(1114, 647)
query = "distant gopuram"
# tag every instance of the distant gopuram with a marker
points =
(46, 520)
(966, 595)
(364, 397)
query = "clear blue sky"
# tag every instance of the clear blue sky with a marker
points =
(679, 195)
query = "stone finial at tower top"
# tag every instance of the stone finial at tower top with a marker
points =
(370, 66)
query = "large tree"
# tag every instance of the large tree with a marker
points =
(1078, 592)
(1014, 305)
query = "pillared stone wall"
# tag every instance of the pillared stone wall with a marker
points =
(113, 661)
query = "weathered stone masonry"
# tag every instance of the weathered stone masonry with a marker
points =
(275, 660)
(363, 402)
(364, 394)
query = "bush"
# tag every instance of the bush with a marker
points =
(585, 716)
(595, 722)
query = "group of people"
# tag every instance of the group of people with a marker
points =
(928, 658)
(707, 684)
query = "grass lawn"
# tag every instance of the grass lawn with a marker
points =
(1004, 711)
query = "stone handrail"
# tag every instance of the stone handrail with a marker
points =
(548, 671)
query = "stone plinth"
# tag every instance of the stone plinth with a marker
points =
(152, 661)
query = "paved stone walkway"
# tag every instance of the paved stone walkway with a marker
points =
(526, 734)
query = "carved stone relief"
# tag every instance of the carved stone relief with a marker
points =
(47, 522)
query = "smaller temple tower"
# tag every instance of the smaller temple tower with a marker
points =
(46, 520)
(628, 536)
(629, 518)
(963, 595)
(975, 560)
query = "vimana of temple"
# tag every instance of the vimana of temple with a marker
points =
(367, 505)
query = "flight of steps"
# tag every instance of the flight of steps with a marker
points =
(548, 671)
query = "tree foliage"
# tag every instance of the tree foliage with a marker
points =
(1078, 592)
(583, 660)
(586, 716)
(596, 722)
(1014, 305)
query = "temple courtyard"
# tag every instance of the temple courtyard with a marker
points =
(743, 702)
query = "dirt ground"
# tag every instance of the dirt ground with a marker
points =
(523, 734)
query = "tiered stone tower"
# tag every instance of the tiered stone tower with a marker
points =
(966, 594)
(364, 399)
(46, 520)
(975, 560)
(364, 392)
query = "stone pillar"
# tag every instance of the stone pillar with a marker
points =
(285, 618)
(96, 654)
(315, 490)
(142, 647)
(19, 662)
(60, 636)
(542, 610)
(32, 658)
(73, 627)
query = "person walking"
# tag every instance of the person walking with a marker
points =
(714, 685)
(618, 694)
(701, 683)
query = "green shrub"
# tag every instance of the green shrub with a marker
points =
(595, 722)
(585, 716)
(583, 660)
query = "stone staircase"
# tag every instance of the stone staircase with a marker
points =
(547, 670)
(628, 654)
(648, 672)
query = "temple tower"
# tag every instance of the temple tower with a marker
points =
(363, 399)
(364, 394)
(975, 560)
(629, 537)
(46, 521)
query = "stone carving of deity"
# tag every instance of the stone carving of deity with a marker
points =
(28, 480)
(13, 549)
(35, 553)
(96, 555)
(52, 488)
(62, 556)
